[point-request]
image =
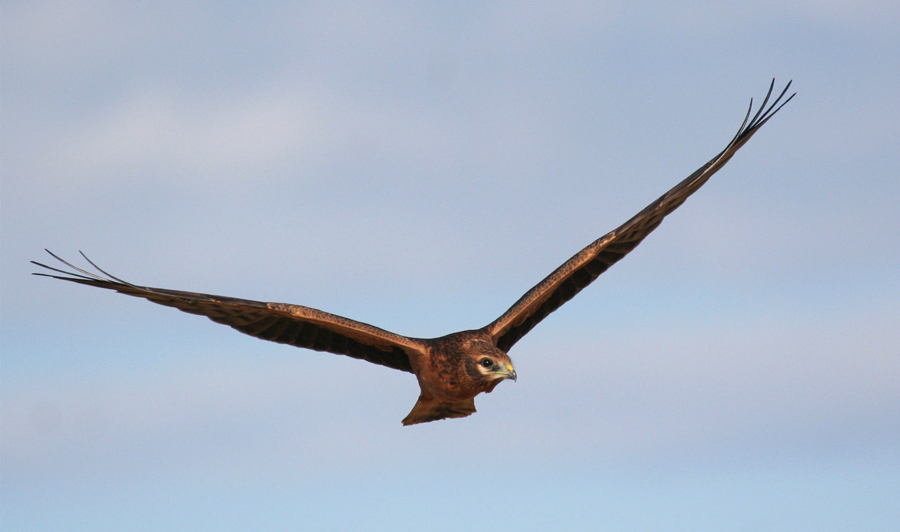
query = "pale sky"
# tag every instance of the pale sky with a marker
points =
(419, 166)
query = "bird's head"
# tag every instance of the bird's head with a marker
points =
(467, 363)
(493, 367)
(488, 365)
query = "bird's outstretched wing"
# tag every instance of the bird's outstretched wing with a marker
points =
(579, 271)
(278, 322)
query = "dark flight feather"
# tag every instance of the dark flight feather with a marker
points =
(277, 322)
(581, 270)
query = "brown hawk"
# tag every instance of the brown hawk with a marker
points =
(452, 369)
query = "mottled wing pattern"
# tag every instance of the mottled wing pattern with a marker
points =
(277, 322)
(579, 271)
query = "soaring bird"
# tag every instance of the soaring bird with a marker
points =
(451, 369)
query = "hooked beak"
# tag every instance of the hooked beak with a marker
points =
(510, 372)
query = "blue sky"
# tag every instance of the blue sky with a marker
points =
(419, 166)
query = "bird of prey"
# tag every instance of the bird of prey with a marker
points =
(452, 369)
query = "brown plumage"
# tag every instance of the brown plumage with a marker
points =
(452, 369)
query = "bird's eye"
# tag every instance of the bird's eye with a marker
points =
(486, 362)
